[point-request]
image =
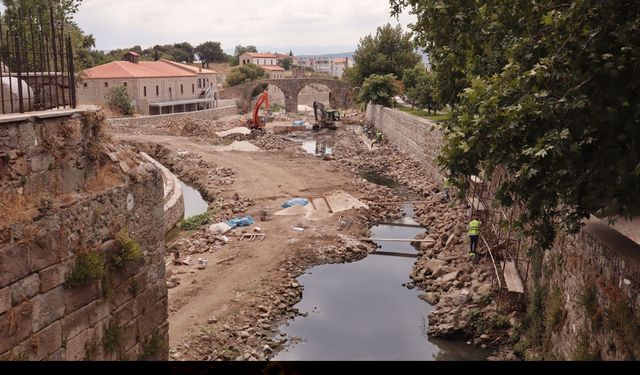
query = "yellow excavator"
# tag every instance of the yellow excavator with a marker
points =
(324, 118)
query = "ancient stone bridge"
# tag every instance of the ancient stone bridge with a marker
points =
(339, 96)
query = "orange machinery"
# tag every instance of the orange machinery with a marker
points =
(258, 122)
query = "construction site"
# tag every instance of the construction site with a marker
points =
(362, 215)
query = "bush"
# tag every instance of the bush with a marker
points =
(130, 250)
(195, 222)
(113, 337)
(378, 89)
(88, 267)
(118, 99)
(243, 74)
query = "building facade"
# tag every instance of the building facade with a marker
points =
(155, 87)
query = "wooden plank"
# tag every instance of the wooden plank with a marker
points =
(394, 240)
(392, 254)
(514, 284)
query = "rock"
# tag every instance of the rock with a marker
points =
(430, 298)
(450, 239)
(450, 276)
(485, 289)
(440, 271)
(244, 334)
(171, 285)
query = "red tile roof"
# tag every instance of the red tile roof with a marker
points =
(133, 53)
(143, 69)
(262, 55)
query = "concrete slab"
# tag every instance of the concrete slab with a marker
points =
(342, 201)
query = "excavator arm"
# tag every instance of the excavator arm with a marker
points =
(263, 99)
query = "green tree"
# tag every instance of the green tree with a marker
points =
(286, 63)
(243, 74)
(378, 89)
(547, 92)
(390, 51)
(210, 52)
(182, 52)
(118, 99)
(419, 87)
(239, 51)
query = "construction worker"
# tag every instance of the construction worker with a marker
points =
(474, 234)
(447, 185)
(378, 136)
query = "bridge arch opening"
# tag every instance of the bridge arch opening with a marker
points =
(311, 92)
(277, 97)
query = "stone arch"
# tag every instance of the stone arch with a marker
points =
(308, 100)
(252, 86)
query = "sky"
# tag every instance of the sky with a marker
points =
(306, 27)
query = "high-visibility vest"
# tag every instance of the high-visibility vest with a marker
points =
(474, 228)
(447, 183)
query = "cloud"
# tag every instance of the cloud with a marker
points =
(281, 23)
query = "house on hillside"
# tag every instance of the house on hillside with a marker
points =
(339, 65)
(155, 87)
(267, 61)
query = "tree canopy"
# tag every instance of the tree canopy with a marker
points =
(243, 74)
(378, 89)
(210, 52)
(546, 91)
(390, 51)
(419, 87)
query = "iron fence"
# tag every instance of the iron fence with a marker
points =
(36, 59)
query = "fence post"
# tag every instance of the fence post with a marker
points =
(19, 72)
(72, 76)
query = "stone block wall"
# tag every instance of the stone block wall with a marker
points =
(415, 136)
(173, 197)
(208, 114)
(604, 263)
(119, 314)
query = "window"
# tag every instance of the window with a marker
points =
(145, 91)
(157, 90)
(125, 84)
(170, 93)
(193, 88)
(106, 84)
(85, 84)
(181, 89)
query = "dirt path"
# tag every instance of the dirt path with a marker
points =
(268, 178)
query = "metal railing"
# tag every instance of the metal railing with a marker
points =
(36, 59)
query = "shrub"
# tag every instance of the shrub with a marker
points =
(118, 99)
(112, 338)
(150, 347)
(195, 222)
(88, 267)
(130, 250)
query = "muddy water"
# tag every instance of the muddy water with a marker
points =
(361, 311)
(193, 202)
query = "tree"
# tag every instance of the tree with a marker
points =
(419, 87)
(290, 53)
(286, 63)
(243, 74)
(548, 93)
(390, 51)
(182, 52)
(210, 52)
(118, 99)
(378, 89)
(240, 50)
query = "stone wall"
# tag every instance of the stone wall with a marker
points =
(173, 198)
(604, 263)
(209, 114)
(415, 136)
(72, 202)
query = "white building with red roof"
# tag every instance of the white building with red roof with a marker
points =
(267, 61)
(155, 87)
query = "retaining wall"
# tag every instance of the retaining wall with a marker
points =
(209, 114)
(418, 137)
(51, 169)
(173, 197)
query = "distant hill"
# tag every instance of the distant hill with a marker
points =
(336, 55)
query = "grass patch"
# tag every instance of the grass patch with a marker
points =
(134, 288)
(113, 336)
(583, 351)
(88, 267)
(621, 319)
(554, 310)
(195, 222)
(130, 250)
(106, 177)
(588, 300)
(441, 116)
(16, 208)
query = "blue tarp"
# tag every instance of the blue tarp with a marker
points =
(293, 202)
(241, 222)
(298, 122)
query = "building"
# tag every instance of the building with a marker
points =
(155, 87)
(274, 71)
(260, 59)
(339, 65)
